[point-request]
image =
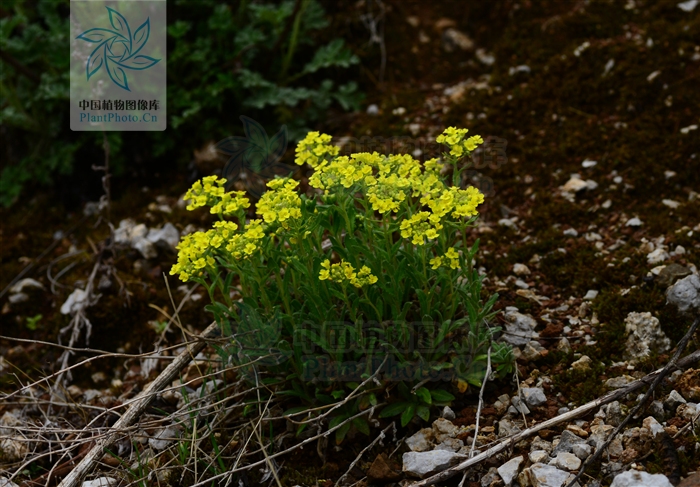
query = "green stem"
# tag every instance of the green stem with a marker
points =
(293, 39)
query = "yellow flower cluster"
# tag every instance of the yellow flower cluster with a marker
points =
(420, 226)
(454, 138)
(281, 203)
(344, 171)
(314, 149)
(197, 250)
(451, 255)
(245, 244)
(210, 192)
(344, 271)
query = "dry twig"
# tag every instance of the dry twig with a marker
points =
(562, 418)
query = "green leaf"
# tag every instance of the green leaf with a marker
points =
(333, 54)
(423, 412)
(441, 396)
(341, 432)
(393, 409)
(424, 395)
(408, 414)
(362, 425)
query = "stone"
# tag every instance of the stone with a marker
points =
(453, 38)
(671, 273)
(507, 427)
(567, 440)
(583, 364)
(653, 426)
(577, 430)
(519, 328)
(448, 413)
(382, 471)
(533, 351)
(145, 247)
(619, 382)
(566, 461)
(644, 336)
(521, 270)
(450, 444)
(501, 404)
(100, 482)
(634, 478)
(574, 185)
(541, 444)
(591, 294)
(688, 411)
(656, 409)
(689, 384)
(691, 481)
(519, 406)
(163, 438)
(582, 450)
(614, 413)
(674, 400)
(615, 448)
(685, 293)
(490, 478)
(538, 456)
(599, 434)
(424, 464)
(534, 396)
(509, 470)
(657, 256)
(444, 426)
(637, 439)
(634, 222)
(564, 346)
(422, 440)
(5, 482)
(167, 234)
(541, 475)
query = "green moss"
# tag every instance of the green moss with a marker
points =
(580, 387)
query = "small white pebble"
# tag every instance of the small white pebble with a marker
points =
(634, 222)
(590, 295)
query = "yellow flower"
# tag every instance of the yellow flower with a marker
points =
(314, 149)
(454, 139)
(419, 227)
(281, 203)
(345, 272)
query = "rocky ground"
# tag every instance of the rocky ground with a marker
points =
(589, 234)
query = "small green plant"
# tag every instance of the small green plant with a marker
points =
(269, 60)
(33, 322)
(368, 276)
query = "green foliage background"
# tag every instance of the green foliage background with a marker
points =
(273, 62)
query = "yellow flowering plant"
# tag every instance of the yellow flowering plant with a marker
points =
(372, 265)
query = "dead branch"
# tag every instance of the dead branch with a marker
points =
(664, 372)
(138, 406)
(580, 411)
(381, 436)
